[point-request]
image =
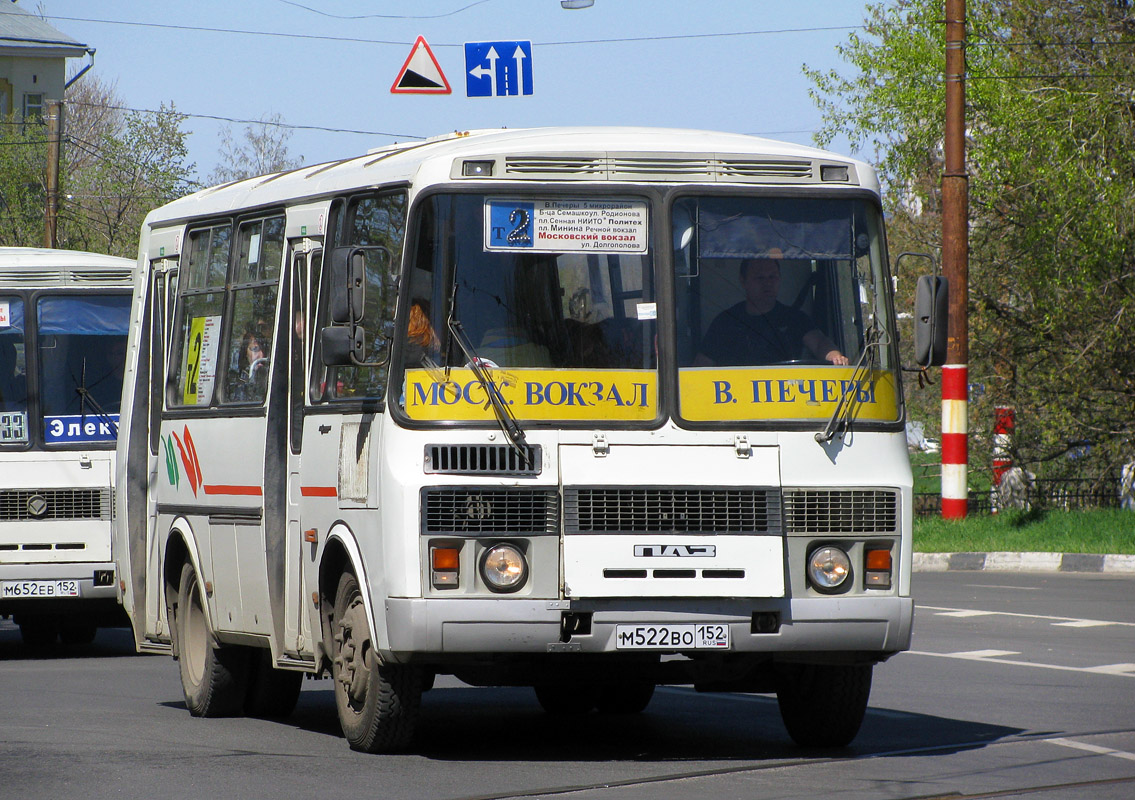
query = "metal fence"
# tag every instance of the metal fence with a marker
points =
(1063, 494)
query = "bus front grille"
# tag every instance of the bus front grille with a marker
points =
(723, 510)
(481, 459)
(824, 511)
(55, 504)
(487, 511)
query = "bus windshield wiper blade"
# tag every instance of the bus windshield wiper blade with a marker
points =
(504, 415)
(841, 415)
(85, 398)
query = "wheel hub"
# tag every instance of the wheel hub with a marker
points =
(355, 660)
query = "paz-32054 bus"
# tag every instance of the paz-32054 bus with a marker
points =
(63, 320)
(586, 410)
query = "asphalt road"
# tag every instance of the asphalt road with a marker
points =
(1017, 685)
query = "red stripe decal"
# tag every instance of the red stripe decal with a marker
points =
(319, 491)
(954, 380)
(955, 448)
(243, 491)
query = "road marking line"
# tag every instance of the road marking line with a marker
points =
(1093, 748)
(983, 653)
(973, 612)
(1083, 623)
(1105, 670)
(1114, 669)
(964, 613)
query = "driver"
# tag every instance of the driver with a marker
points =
(762, 330)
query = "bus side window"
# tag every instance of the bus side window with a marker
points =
(252, 316)
(197, 326)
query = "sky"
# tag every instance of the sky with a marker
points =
(329, 65)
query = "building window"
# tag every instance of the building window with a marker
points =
(33, 106)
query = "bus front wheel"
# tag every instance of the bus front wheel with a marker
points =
(823, 705)
(213, 677)
(378, 703)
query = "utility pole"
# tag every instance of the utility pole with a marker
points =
(54, 119)
(955, 266)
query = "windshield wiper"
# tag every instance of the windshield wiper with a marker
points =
(509, 426)
(841, 416)
(86, 397)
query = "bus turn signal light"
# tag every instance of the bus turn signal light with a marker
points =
(446, 567)
(878, 571)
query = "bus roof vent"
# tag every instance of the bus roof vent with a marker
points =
(14, 279)
(660, 168)
(113, 276)
(562, 166)
(481, 459)
(765, 170)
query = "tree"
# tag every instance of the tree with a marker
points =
(262, 150)
(116, 165)
(1051, 115)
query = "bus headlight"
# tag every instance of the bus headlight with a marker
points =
(828, 568)
(504, 568)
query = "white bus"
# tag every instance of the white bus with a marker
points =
(63, 320)
(508, 406)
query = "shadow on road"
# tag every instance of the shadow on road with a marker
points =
(680, 725)
(108, 643)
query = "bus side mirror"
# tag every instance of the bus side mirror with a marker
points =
(931, 313)
(348, 284)
(342, 346)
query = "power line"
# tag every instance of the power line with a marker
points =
(360, 40)
(272, 123)
(382, 16)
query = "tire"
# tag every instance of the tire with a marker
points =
(39, 631)
(79, 631)
(214, 678)
(631, 697)
(570, 700)
(378, 703)
(272, 692)
(824, 705)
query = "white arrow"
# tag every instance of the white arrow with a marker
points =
(480, 72)
(519, 57)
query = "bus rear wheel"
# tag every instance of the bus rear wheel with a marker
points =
(38, 631)
(213, 677)
(565, 700)
(823, 705)
(378, 703)
(629, 697)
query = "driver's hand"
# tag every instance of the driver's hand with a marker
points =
(837, 358)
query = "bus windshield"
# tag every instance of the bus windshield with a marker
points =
(780, 308)
(81, 343)
(567, 321)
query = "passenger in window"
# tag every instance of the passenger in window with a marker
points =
(422, 343)
(251, 380)
(762, 330)
(13, 383)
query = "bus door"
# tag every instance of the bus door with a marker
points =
(300, 547)
(146, 559)
(341, 427)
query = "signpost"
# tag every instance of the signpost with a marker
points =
(498, 69)
(421, 74)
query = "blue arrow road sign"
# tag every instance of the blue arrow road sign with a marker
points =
(498, 69)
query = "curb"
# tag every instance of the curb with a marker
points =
(1025, 562)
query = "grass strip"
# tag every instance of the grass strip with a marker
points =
(1105, 531)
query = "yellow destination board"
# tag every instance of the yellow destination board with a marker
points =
(534, 394)
(765, 393)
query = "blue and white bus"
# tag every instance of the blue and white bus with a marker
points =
(63, 325)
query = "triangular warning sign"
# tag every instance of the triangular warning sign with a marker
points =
(421, 73)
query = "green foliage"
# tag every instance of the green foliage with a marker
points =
(1103, 531)
(23, 154)
(113, 169)
(1050, 121)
